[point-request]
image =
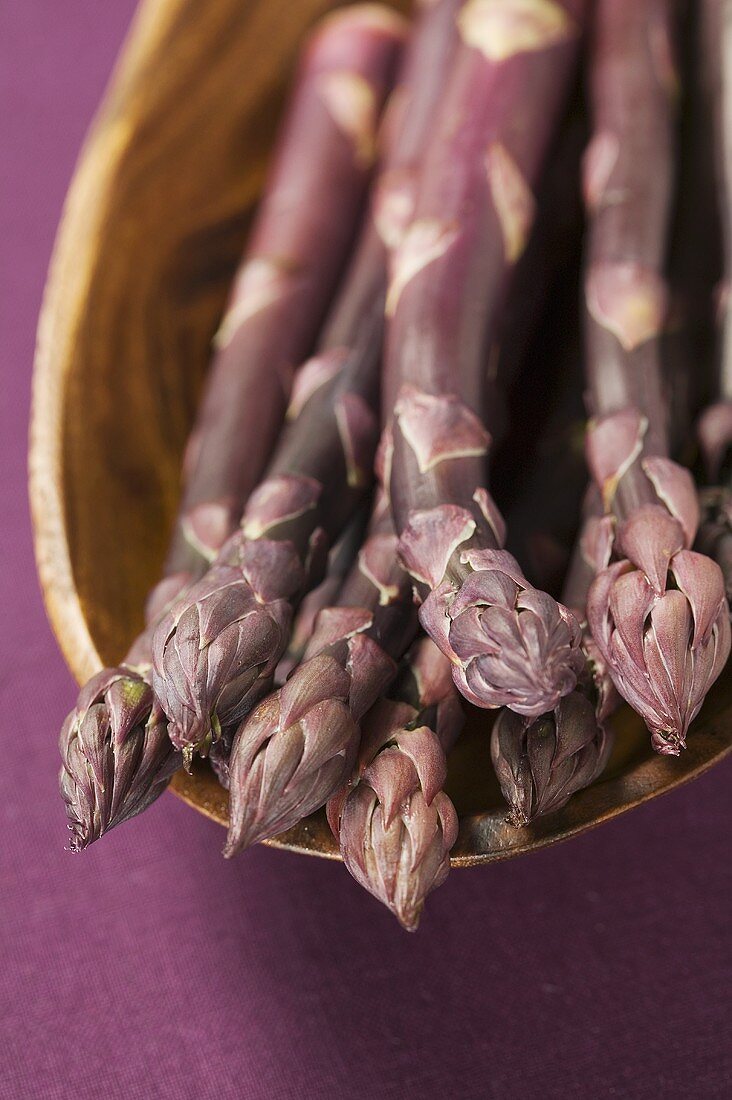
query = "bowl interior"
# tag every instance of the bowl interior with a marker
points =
(153, 227)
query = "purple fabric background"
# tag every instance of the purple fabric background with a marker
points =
(150, 968)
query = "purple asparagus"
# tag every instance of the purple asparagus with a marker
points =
(340, 561)
(298, 746)
(117, 757)
(394, 823)
(215, 653)
(657, 610)
(715, 425)
(293, 261)
(540, 764)
(509, 643)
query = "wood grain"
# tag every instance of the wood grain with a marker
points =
(151, 232)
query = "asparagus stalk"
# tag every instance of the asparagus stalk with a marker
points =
(340, 561)
(293, 261)
(545, 452)
(540, 764)
(216, 651)
(695, 249)
(394, 823)
(117, 757)
(715, 424)
(298, 746)
(509, 644)
(398, 832)
(657, 611)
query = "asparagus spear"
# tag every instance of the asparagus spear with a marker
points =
(298, 746)
(394, 823)
(657, 611)
(340, 561)
(540, 764)
(215, 652)
(514, 384)
(400, 824)
(714, 429)
(695, 253)
(117, 757)
(284, 285)
(509, 643)
(545, 452)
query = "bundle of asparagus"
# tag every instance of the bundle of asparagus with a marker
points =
(319, 656)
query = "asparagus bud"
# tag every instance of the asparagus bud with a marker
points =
(509, 643)
(281, 291)
(541, 764)
(116, 754)
(299, 745)
(657, 611)
(215, 653)
(394, 824)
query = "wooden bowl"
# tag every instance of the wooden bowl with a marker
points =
(152, 229)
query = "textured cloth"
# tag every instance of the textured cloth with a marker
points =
(150, 968)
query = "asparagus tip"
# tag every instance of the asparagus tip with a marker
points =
(232, 847)
(80, 837)
(668, 742)
(116, 756)
(409, 916)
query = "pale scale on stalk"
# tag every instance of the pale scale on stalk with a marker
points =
(352, 103)
(512, 197)
(614, 443)
(598, 162)
(371, 557)
(439, 428)
(502, 28)
(628, 300)
(358, 431)
(368, 16)
(393, 205)
(206, 528)
(317, 372)
(260, 283)
(423, 243)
